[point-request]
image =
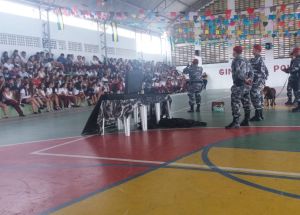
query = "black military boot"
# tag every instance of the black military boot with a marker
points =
(235, 124)
(256, 117)
(198, 108)
(297, 109)
(261, 114)
(289, 102)
(245, 122)
(192, 109)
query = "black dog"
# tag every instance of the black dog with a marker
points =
(270, 96)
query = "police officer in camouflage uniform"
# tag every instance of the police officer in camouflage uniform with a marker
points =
(261, 74)
(195, 84)
(292, 83)
(295, 70)
(240, 91)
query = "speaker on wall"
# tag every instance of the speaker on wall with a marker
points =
(268, 46)
(197, 53)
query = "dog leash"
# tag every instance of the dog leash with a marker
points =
(282, 88)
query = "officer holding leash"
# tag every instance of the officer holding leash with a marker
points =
(195, 85)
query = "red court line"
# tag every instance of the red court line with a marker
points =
(26, 177)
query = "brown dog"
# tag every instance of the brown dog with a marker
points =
(269, 96)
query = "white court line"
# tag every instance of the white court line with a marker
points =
(59, 145)
(99, 158)
(183, 165)
(37, 141)
(245, 170)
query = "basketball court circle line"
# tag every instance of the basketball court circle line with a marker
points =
(230, 175)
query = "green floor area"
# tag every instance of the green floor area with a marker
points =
(266, 141)
(70, 123)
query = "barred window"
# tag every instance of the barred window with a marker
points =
(74, 46)
(212, 53)
(91, 48)
(251, 28)
(284, 45)
(217, 7)
(62, 45)
(183, 54)
(248, 47)
(46, 43)
(242, 5)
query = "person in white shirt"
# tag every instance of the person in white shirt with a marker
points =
(50, 93)
(41, 91)
(9, 65)
(23, 57)
(63, 95)
(27, 98)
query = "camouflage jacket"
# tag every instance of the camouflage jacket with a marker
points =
(295, 66)
(241, 70)
(194, 72)
(259, 68)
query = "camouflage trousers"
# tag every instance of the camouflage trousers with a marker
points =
(292, 87)
(256, 94)
(194, 93)
(297, 86)
(240, 95)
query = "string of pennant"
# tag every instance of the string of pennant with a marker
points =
(190, 25)
(154, 15)
(242, 25)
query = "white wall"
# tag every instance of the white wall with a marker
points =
(30, 27)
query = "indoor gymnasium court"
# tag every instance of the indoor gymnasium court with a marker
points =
(180, 171)
(150, 107)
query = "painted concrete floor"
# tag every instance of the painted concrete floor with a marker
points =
(161, 172)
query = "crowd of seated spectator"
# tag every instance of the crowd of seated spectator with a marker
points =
(54, 84)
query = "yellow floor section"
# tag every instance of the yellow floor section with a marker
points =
(193, 192)
(249, 159)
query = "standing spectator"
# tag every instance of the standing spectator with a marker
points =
(23, 58)
(4, 57)
(204, 77)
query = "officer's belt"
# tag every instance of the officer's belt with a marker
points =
(196, 82)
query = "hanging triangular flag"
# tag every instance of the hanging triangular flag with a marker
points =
(282, 7)
(228, 13)
(173, 14)
(250, 10)
(208, 13)
(281, 23)
(272, 17)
